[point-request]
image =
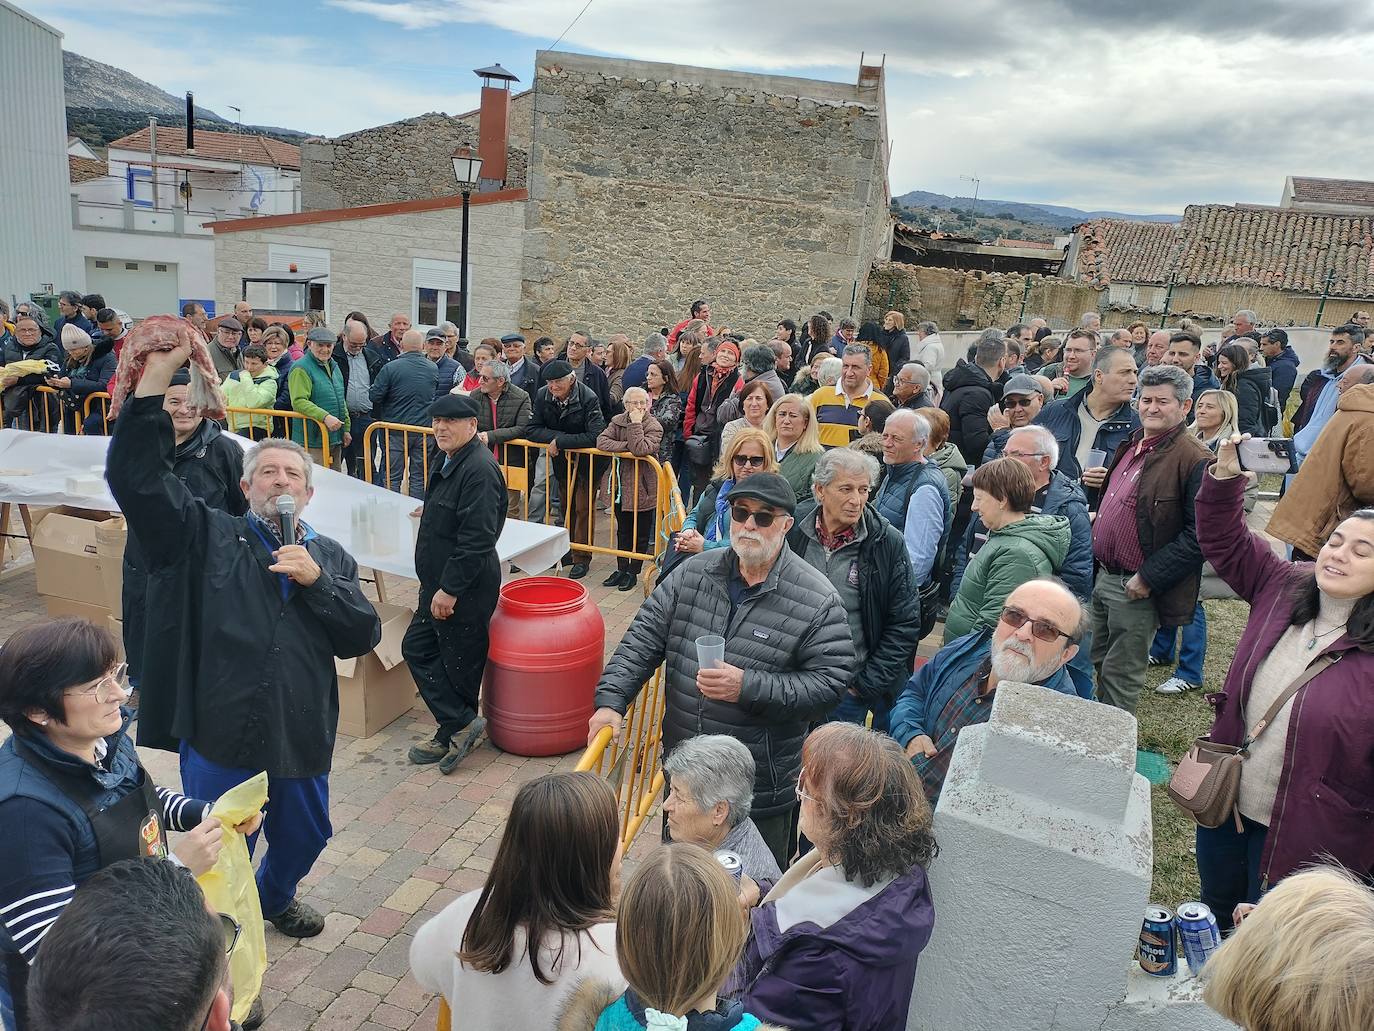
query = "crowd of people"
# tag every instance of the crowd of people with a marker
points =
(1061, 506)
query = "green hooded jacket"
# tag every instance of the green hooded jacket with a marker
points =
(1035, 546)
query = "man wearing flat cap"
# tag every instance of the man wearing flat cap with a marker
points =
(460, 577)
(788, 650)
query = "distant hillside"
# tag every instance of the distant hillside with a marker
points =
(105, 103)
(1047, 214)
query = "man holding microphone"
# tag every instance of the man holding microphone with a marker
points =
(269, 604)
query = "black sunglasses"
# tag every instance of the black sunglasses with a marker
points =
(1040, 629)
(752, 461)
(1015, 402)
(232, 930)
(762, 520)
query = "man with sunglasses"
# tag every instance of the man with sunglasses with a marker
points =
(1036, 636)
(166, 966)
(788, 651)
(1022, 398)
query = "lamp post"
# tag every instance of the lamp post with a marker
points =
(467, 166)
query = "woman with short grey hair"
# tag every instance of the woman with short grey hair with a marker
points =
(710, 793)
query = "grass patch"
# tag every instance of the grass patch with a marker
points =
(1168, 724)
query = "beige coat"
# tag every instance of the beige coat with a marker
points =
(1335, 479)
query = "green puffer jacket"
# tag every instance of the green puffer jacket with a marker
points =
(1035, 546)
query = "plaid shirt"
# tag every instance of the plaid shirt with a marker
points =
(966, 706)
(833, 542)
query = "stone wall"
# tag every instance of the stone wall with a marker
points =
(956, 299)
(654, 184)
(406, 160)
(371, 266)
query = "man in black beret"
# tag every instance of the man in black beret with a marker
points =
(460, 577)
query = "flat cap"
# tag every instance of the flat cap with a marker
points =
(556, 369)
(770, 488)
(231, 323)
(1023, 386)
(453, 406)
(511, 338)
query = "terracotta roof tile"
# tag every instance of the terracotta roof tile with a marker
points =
(83, 170)
(1309, 190)
(217, 146)
(1244, 245)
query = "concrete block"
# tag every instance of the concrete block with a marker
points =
(1044, 869)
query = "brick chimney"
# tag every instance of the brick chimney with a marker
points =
(493, 124)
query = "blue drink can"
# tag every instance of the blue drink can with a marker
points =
(733, 864)
(1158, 951)
(1198, 934)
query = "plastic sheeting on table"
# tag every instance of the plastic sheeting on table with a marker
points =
(374, 524)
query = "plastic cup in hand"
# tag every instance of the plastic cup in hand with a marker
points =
(1096, 457)
(710, 651)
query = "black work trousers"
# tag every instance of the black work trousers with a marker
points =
(447, 658)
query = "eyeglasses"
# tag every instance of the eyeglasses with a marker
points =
(232, 930)
(1040, 629)
(762, 520)
(108, 688)
(801, 775)
(752, 461)
(1016, 402)
(1023, 454)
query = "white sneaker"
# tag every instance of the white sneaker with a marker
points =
(1160, 662)
(1176, 685)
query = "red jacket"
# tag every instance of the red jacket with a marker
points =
(1325, 801)
(672, 337)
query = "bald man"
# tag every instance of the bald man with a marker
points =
(402, 393)
(1038, 633)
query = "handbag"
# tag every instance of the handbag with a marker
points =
(698, 449)
(1206, 783)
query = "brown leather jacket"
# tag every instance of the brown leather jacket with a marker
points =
(1336, 478)
(1165, 491)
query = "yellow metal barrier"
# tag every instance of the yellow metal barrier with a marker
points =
(43, 413)
(411, 439)
(103, 399)
(286, 417)
(634, 764)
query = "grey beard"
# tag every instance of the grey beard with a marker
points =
(1333, 362)
(1012, 665)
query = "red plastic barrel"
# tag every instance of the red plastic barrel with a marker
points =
(545, 655)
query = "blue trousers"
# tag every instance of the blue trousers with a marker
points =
(1191, 652)
(1228, 864)
(854, 710)
(296, 822)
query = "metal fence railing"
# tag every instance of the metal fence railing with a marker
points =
(634, 764)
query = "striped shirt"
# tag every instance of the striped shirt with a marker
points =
(837, 417)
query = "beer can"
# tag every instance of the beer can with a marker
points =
(733, 864)
(1158, 951)
(1198, 934)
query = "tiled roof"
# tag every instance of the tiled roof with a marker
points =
(1245, 245)
(1308, 190)
(1276, 247)
(217, 146)
(83, 170)
(1132, 252)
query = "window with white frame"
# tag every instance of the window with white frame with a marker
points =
(438, 291)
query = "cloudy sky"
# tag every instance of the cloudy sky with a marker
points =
(1119, 104)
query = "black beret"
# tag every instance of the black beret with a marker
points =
(453, 406)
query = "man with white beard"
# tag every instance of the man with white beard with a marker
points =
(1036, 636)
(789, 655)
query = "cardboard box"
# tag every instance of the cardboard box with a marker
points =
(109, 549)
(97, 614)
(377, 689)
(116, 627)
(66, 560)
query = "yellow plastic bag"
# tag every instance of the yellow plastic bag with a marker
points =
(230, 888)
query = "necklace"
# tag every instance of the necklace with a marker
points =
(1317, 637)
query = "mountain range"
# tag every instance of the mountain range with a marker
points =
(105, 103)
(1049, 214)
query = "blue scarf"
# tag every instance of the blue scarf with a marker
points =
(722, 506)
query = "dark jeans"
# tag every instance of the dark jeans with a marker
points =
(855, 710)
(447, 659)
(1191, 653)
(358, 422)
(1228, 864)
(632, 532)
(571, 476)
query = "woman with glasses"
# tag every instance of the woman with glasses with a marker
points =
(481, 354)
(708, 526)
(834, 943)
(73, 796)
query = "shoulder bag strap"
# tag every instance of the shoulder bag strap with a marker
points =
(1311, 671)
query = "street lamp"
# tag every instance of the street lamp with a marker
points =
(467, 166)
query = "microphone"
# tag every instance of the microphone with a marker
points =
(286, 515)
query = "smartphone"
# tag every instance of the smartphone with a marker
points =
(1267, 455)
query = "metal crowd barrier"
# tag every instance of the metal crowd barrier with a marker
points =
(287, 418)
(634, 764)
(388, 460)
(102, 398)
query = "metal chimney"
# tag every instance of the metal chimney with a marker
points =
(190, 122)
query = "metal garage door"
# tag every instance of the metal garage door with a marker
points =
(138, 287)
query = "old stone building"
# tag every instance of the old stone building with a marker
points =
(653, 184)
(649, 185)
